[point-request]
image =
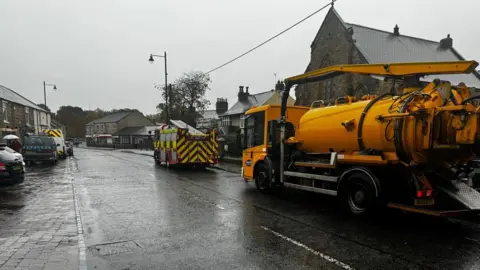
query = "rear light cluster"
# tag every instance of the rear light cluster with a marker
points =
(2, 167)
(424, 193)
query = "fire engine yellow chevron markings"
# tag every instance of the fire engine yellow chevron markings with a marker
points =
(181, 141)
(205, 148)
(192, 150)
(181, 145)
(201, 157)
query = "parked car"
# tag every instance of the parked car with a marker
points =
(10, 150)
(12, 167)
(40, 148)
(69, 148)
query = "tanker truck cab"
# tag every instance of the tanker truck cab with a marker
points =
(261, 139)
(411, 149)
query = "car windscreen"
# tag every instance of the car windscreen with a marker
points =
(45, 141)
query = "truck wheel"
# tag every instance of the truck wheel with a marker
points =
(359, 194)
(261, 179)
(155, 158)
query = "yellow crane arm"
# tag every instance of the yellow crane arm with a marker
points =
(392, 70)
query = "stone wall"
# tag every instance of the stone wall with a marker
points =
(16, 116)
(334, 45)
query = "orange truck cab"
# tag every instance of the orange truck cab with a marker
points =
(258, 140)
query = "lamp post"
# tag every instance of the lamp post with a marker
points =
(164, 56)
(45, 98)
(45, 92)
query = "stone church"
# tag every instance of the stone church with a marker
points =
(338, 43)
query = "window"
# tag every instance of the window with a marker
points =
(361, 90)
(255, 129)
(5, 111)
(326, 61)
(226, 121)
(27, 115)
(242, 121)
(329, 89)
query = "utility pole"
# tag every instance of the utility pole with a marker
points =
(164, 56)
(45, 92)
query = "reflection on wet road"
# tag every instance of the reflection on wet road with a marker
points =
(135, 215)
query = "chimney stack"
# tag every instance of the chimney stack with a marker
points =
(242, 96)
(246, 90)
(396, 31)
(280, 86)
(221, 106)
(446, 43)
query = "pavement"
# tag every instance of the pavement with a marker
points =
(116, 210)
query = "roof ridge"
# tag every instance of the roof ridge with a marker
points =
(108, 115)
(387, 32)
(34, 105)
(263, 92)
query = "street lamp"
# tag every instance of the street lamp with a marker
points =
(45, 92)
(164, 56)
(45, 97)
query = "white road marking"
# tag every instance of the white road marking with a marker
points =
(152, 175)
(219, 207)
(321, 255)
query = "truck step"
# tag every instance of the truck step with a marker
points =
(313, 189)
(320, 177)
(463, 193)
(315, 164)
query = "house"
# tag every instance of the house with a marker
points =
(210, 118)
(112, 123)
(234, 116)
(338, 42)
(136, 135)
(19, 112)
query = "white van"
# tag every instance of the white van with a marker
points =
(61, 148)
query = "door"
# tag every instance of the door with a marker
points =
(254, 143)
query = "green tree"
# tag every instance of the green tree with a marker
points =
(187, 96)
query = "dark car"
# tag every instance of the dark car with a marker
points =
(40, 148)
(12, 169)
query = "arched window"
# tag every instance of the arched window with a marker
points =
(326, 61)
(360, 91)
(329, 90)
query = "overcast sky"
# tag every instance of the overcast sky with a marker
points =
(96, 51)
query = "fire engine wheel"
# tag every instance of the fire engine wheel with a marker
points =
(261, 179)
(359, 194)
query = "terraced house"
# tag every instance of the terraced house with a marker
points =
(19, 112)
(115, 122)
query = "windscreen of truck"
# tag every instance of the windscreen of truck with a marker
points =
(39, 140)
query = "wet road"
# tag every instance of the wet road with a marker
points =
(132, 214)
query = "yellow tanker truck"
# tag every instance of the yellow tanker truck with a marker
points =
(412, 150)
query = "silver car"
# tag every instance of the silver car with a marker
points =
(15, 153)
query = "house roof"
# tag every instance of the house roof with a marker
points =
(128, 131)
(111, 118)
(253, 100)
(210, 114)
(136, 131)
(12, 96)
(379, 46)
